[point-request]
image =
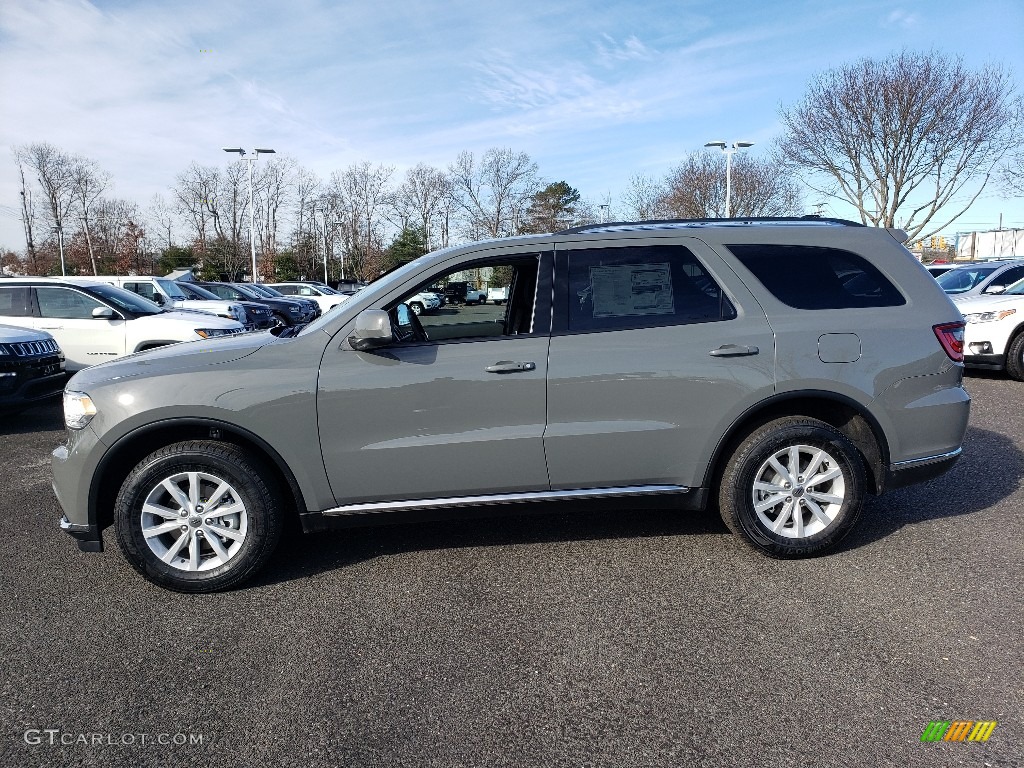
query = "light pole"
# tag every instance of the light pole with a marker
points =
(252, 212)
(729, 150)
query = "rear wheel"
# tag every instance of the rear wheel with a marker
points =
(793, 488)
(198, 516)
(1015, 358)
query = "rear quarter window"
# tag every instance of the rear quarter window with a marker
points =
(813, 277)
(15, 301)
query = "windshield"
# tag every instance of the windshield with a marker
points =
(200, 292)
(171, 289)
(1017, 289)
(962, 279)
(122, 299)
(247, 289)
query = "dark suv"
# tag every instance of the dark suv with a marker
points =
(287, 312)
(31, 368)
(778, 370)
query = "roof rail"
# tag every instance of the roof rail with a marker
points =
(623, 226)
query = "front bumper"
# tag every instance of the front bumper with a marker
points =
(991, 362)
(73, 466)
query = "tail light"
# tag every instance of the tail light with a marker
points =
(951, 337)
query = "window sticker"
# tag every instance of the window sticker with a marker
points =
(630, 290)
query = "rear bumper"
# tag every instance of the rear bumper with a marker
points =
(991, 362)
(904, 473)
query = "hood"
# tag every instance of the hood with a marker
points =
(11, 334)
(175, 357)
(986, 302)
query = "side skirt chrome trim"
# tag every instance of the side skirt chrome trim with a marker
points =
(503, 498)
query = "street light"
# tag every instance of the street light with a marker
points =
(729, 150)
(252, 212)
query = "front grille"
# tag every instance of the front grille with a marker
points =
(31, 348)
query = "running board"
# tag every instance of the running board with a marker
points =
(580, 494)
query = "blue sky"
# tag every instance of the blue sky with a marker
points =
(595, 92)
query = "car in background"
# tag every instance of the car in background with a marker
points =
(325, 296)
(270, 293)
(167, 294)
(31, 368)
(462, 292)
(95, 322)
(286, 312)
(424, 301)
(497, 295)
(259, 317)
(980, 277)
(994, 336)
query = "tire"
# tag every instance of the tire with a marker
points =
(281, 321)
(176, 544)
(829, 503)
(416, 307)
(1015, 358)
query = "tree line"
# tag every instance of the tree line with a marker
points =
(908, 141)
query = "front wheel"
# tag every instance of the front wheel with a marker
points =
(793, 488)
(1015, 358)
(198, 516)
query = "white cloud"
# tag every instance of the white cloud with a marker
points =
(902, 19)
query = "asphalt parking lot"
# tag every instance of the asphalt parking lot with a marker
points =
(613, 639)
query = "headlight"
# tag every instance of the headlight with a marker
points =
(78, 409)
(295, 310)
(209, 333)
(989, 317)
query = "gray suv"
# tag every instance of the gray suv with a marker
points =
(777, 369)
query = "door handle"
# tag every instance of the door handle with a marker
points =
(733, 350)
(508, 366)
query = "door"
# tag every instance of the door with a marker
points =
(454, 407)
(656, 349)
(86, 340)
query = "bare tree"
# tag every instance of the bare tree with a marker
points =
(696, 188)
(162, 218)
(273, 188)
(644, 200)
(423, 198)
(1011, 175)
(360, 196)
(29, 213)
(903, 139)
(494, 193)
(54, 171)
(88, 182)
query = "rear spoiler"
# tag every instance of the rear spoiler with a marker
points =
(899, 234)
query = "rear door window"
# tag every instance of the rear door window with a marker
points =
(15, 301)
(641, 287)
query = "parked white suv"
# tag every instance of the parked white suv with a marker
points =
(994, 336)
(93, 322)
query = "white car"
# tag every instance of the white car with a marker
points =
(325, 296)
(424, 301)
(994, 336)
(94, 322)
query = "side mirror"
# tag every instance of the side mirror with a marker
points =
(159, 299)
(373, 330)
(103, 313)
(995, 289)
